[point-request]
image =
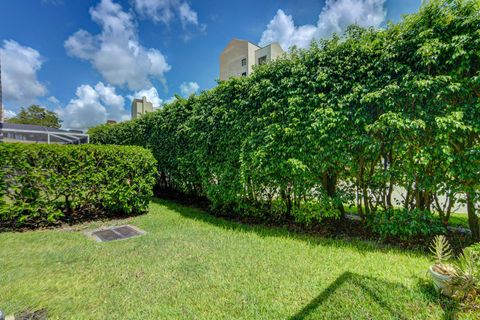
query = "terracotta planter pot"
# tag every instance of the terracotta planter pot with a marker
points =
(441, 282)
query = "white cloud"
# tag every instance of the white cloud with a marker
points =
(53, 100)
(82, 45)
(189, 88)
(93, 106)
(282, 29)
(170, 100)
(52, 2)
(186, 90)
(335, 17)
(157, 10)
(165, 11)
(9, 114)
(20, 65)
(116, 52)
(187, 15)
(151, 94)
(114, 103)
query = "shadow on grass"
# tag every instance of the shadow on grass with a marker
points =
(393, 300)
(449, 306)
(362, 246)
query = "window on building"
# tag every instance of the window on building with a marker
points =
(244, 74)
(244, 62)
(262, 60)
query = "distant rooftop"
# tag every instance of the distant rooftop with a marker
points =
(30, 127)
(29, 133)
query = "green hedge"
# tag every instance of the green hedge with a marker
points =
(44, 184)
(350, 120)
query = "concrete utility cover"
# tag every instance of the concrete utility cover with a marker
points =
(115, 233)
(29, 315)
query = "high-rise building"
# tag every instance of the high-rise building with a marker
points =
(141, 107)
(239, 57)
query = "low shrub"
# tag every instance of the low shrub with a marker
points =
(45, 184)
(404, 224)
(316, 211)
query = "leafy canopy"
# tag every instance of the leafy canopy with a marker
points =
(37, 115)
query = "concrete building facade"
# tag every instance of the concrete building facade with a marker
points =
(141, 107)
(240, 56)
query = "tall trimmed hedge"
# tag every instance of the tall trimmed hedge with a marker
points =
(349, 120)
(44, 184)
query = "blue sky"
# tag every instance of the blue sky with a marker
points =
(86, 59)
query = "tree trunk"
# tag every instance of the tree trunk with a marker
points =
(287, 200)
(389, 195)
(329, 182)
(391, 182)
(359, 203)
(439, 208)
(406, 205)
(360, 187)
(451, 202)
(473, 218)
(163, 180)
(427, 200)
(416, 193)
(366, 201)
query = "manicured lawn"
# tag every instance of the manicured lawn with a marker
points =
(459, 219)
(194, 266)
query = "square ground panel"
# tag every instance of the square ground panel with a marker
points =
(28, 315)
(115, 233)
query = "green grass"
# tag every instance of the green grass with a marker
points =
(191, 265)
(459, 220)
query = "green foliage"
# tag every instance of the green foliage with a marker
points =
(440, 249)
(37, 115)
(466, 279)
(464, 272)
(474, 248)
(351, 119)
(405, 224)
(44, 184)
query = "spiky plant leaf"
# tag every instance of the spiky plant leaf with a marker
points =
(466, 280)
(441, 250)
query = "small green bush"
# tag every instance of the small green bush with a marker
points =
(45, 184)
(404, 224)
(316, 211)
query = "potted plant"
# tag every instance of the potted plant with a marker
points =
(442, 272)
(466, 281)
